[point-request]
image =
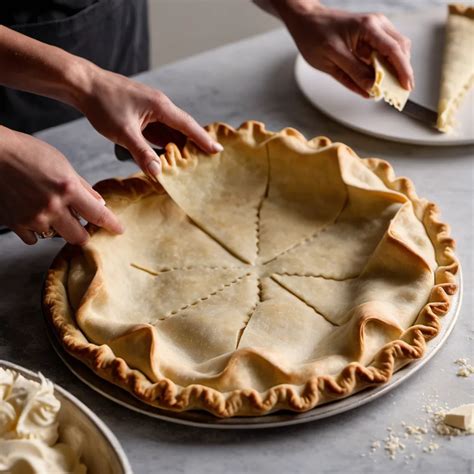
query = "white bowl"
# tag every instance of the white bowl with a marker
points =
(102, 452)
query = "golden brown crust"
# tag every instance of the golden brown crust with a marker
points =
(354, 377)
(461, 9)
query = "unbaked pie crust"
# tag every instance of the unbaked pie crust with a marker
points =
(386, 85)
(457, 75)
(279, 274)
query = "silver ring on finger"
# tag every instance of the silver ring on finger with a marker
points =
(77, 216)
(49, 234)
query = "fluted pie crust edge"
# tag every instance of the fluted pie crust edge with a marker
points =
(165, 394)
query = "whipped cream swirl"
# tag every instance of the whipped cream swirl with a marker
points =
(29, 428)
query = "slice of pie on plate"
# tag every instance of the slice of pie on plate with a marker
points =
(279, 274)
(386, 85)
(457, 75)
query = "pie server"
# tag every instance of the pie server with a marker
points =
(421, 113)
(122, 154)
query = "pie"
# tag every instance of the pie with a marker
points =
(386, 85)
(457, 75)
(278, 274)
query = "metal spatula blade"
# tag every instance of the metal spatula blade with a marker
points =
(122, 154)
(420, 113)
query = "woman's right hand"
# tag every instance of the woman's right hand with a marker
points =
(40, 191)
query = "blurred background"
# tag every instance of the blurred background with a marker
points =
(181, 28)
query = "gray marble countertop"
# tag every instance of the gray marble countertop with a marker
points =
(253, 79)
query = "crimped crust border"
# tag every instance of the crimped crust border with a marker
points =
(461, 9)
(354, 377)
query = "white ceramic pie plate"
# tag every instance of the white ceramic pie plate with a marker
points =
(426, 31)
(206, 420)
(102, 451)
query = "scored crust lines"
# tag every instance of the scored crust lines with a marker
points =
(260, 269)
(221, 297)
(204, 298)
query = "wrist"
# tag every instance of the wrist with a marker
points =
(8, 147)
(79, 81)
(295, 8)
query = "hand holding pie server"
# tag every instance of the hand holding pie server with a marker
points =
(341, 43)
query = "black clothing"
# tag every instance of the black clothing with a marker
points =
(111, 33)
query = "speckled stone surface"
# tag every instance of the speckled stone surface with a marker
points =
(253, 79)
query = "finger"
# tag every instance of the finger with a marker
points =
(69, 228)
(178, 119)
(160, 134)
(403, 41)
(143, 154)
(360, 73)
(28, 236)
(92, 211)
(92, 190)
(382, 42)
(346, 81)
(364, 52)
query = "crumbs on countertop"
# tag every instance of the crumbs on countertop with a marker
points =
(465, 369)
(422, 436)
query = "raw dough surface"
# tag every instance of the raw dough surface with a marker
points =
(280, 273)
(457, 75)
(386, 85)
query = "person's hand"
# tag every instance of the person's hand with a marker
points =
(130, 113)
(40, 192)
(340, 43)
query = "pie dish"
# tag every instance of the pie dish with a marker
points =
(457, 75)
(279, 274)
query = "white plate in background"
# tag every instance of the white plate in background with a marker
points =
(426, 31)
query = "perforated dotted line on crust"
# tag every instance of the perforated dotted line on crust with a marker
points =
(305, 241)
(316, 310)
(311, 275)
(173, 269)
(204, 298)
(310, 238)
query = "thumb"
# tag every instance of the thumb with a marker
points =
(144, 155)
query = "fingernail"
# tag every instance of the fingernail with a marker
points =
(217, 147)
(102, 200)
(154, 169)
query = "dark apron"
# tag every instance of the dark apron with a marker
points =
(111, 33)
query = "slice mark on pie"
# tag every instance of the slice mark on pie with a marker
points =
(284, 326)
(457, 74)
(222, 193)
(215, 313)
(160, 271)
(317, 293)
(302, 178)
(399, 273)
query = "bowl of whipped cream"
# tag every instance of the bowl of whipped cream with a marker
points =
(45, 429)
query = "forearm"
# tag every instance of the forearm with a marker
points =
(32, 66)
(285, 8)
